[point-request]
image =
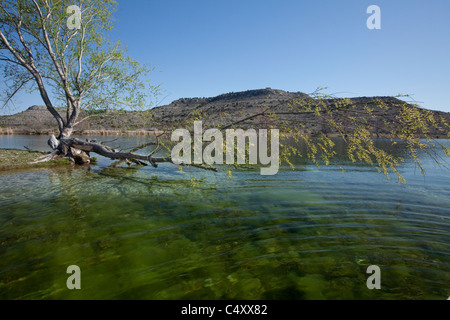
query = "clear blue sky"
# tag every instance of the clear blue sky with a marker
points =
(207, 47)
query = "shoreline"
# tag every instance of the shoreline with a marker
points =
(13, 132)
(145, 133)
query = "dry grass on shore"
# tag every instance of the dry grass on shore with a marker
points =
(102, 132)
(117, 133)
(6, 131)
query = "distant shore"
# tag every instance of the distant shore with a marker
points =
(11, 132)
(145, 133)
(226, 109)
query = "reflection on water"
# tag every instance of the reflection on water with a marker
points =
(165, 234)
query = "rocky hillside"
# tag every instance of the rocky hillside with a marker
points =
(220, 110)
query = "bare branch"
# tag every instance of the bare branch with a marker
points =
(23, 83)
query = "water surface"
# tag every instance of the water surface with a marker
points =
(169, 234)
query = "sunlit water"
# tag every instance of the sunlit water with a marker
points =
(165, 234)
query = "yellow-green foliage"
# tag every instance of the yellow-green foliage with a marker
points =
(356, 126)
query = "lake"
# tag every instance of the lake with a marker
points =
(308, 233)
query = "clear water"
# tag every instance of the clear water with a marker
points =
(165, 234)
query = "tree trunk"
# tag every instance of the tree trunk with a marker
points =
(78, 151)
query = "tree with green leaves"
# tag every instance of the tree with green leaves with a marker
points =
(64, 53)
(75, 67)
(81, 67)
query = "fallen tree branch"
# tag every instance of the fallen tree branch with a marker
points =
(48, 157)
(110, 153)
(30, 150)
(143, 146)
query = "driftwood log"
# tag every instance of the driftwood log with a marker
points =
(78, 151)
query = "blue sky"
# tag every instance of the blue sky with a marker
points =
(203, 48)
